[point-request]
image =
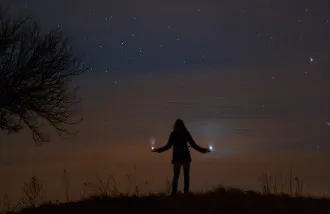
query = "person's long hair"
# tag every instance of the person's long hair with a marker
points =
(179, 126)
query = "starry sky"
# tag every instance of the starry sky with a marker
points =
(249, 77)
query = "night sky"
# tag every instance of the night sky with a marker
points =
(250, 77)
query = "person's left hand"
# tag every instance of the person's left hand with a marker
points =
(153, 150)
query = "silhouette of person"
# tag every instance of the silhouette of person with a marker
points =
(181, 154)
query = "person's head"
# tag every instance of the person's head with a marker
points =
(179, 125)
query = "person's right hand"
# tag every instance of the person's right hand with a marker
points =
(208, 150)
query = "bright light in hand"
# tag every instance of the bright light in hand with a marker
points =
(152, 142)
(211, 147)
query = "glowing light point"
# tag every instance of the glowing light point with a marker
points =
(211, 147)
(152, 142)
(311, 59)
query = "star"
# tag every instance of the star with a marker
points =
(311, 59)
(140, 52)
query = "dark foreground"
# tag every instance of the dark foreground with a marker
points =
(219, 201)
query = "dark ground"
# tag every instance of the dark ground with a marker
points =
(219, 201)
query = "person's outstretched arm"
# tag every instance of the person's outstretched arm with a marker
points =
(167, 146)
(194, 145)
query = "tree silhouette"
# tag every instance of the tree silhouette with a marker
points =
(36, 70)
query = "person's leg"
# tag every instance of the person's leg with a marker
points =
(176, 175)
(186, 170)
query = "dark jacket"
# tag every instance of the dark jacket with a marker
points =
(179, 142)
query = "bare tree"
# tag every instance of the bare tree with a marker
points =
(36, 70)
(66, 184)
(32, 191)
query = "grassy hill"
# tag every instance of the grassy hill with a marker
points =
(221, 200)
